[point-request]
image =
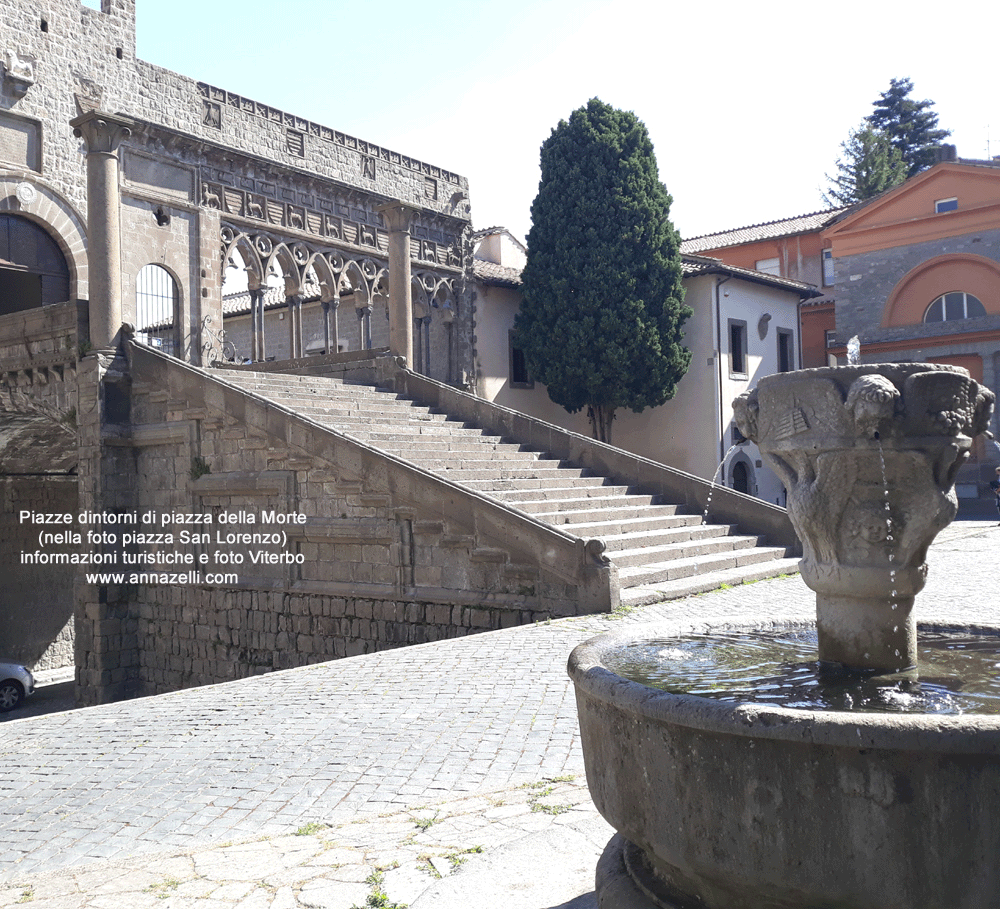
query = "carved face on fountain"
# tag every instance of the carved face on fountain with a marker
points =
(869, 456)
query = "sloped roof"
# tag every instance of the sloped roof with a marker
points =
(239, 303)
(799, 224)
(693, 266)
(496, 275)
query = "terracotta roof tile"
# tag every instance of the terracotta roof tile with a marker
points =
(496, 275)
(799, 224)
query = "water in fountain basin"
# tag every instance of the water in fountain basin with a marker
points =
(959, 672)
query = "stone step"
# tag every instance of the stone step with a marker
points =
(417, 449)
(512, 487)
(310, 386)
(684, 549)
(650, 519)
(580, 496)
(597, 512)
(663, 591)
(659, 549)
(533, 472)
(376, 415)
(672, 570)
(446, 463)
(656, 534)
(372, 426)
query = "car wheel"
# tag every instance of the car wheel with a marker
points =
(11, 694)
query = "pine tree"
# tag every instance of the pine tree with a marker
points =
(869, 165)
(910, 125)
(601, 319)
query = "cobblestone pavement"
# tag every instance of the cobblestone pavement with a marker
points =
(467, 733)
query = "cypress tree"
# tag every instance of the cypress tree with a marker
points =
(602, 315)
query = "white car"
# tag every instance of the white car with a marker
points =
(16, 683)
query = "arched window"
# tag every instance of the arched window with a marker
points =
(33, 270)
(954, 306)
(156, 299)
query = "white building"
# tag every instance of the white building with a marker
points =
(744, 326)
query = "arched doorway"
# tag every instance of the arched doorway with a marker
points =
(741, 477)
(33, 270)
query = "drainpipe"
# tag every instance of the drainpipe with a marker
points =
(718, 367)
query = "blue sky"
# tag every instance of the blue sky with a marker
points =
(747, 104)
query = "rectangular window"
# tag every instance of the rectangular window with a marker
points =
(942, 205)
(769, 266)
(737, 348)
(828, 267)
(786, 352)
(519, 376)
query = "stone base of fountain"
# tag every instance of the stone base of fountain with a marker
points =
(626, 880)
(746, 806)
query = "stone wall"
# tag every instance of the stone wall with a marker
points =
(36, 617)
(192, 636)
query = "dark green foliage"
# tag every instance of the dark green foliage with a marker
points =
(868, 166)
(600, 323)
(910, 125)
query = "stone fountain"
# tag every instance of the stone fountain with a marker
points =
(722, 805)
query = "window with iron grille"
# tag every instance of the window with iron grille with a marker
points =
(156, 299)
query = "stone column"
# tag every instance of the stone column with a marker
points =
(398, 218)
(102, 134)
(257, 347)
(331, 329)
(294, 326)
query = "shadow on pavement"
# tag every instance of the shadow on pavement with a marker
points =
(50, 698)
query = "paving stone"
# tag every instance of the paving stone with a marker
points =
(471, 730)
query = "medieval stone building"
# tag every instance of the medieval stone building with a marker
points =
(127, 192)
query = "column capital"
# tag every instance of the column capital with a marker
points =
(398, 216)
(101, 132)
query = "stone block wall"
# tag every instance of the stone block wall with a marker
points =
(193, 637)
(36, 618)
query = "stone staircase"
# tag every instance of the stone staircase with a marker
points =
(660, 552)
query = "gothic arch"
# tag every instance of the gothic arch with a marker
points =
(235, 241)
(915, 291)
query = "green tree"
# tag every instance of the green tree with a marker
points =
(912, 126)
(601, 319)
(869, 165)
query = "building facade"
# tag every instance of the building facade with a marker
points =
(744, 326)
(127, 194)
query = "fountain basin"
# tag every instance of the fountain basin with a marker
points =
(743, 806)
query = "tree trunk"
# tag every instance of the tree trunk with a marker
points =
(601, 417)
